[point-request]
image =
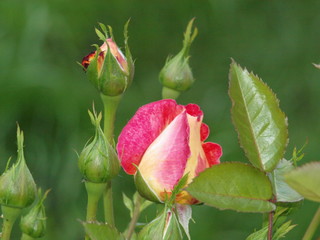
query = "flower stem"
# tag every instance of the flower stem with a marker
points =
(168, 93)
(135, 217)
(10, 215)
(108, 204)
(95, 191)
(270, 225)
(313, 226)
(110, 107)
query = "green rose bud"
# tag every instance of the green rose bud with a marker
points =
(98, 161)
(34, 223)
(176, 75)
(17, 187)
(107, 68)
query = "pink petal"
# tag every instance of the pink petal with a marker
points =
(204, 132)
(194, 110)
(202, 165)
(213, 152)
(144, 127)
(163, 163)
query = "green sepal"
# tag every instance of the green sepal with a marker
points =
(144, 189)
(233, 185)
(33, 223)
(130, 61)
(98, 161)
(260, 123)
(113, 80)
(93, 73)
(164, 227)
(17, 187)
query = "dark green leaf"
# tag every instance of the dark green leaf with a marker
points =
(101, 231)
(261, 125)
(306, 180)
(282, 191)
(233, 185)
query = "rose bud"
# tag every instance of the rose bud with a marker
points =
(33, 224)
(98, 161)
(176, 75)
(17, 187)
(162, 143)
(107, 68)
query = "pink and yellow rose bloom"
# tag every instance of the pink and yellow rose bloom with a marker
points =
(163, 142)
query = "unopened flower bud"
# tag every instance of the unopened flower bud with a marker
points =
(98, 161)
(34, 223)
(17, 187)
(107, 68)
(176, 75)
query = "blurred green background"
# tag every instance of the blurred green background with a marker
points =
(43, 88)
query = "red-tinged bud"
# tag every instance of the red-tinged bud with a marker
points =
(176, 75)
(110, 71)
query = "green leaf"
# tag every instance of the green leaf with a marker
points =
(235, 186)
(283, 230)
(259, 235)
(128, 203)
(282, 191)
(280, 227)
(101, 231)
(306, 180)
(261, 125)
(279, 233)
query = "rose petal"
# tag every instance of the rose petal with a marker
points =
(204, 132)
(144, 127)
(163, 163)
(213, 152)
(194, 110)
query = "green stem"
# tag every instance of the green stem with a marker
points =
(108, 204)
(10, 215)
(135, 217)
(94, 191)
(26, 237)
(168, 93)
(110, 107)
(315, 222)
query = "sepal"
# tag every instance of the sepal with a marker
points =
(33, 224)
(144, 189)
(164, 227)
